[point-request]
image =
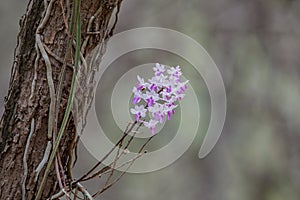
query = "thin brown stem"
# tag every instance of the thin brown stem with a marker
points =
(101, 161)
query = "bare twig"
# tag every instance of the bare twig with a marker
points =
(117, 157)
(106, 168)
(101, 161)
(84, 191)
(58, 174)
(123, 173)
(57, 195)
(125, 163)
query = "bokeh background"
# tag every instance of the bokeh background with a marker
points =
(256, 45)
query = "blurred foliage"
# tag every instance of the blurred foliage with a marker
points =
(256, 46)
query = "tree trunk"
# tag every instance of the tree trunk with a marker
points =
(24, 124)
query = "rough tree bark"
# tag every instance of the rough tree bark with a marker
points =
(28, 97)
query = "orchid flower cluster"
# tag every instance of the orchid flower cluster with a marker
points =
(158, 96)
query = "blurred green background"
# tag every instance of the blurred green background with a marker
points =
(256, 45)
